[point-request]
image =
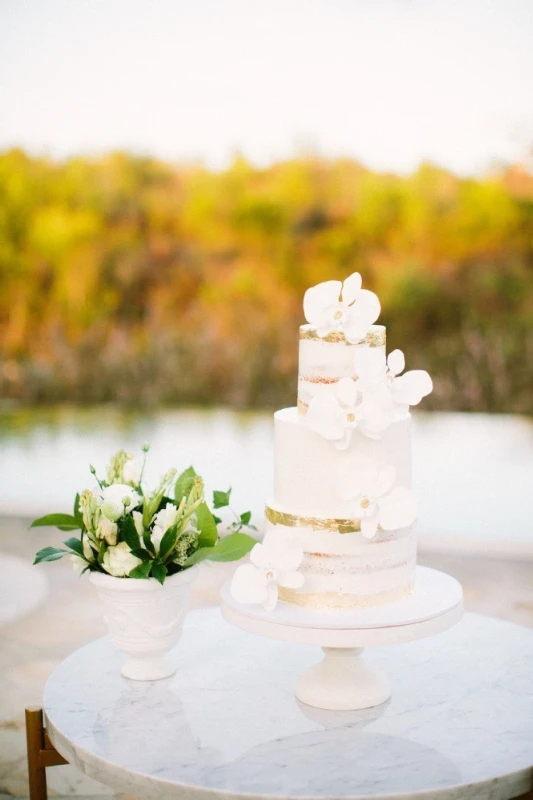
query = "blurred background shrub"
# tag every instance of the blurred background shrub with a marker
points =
(129, 280)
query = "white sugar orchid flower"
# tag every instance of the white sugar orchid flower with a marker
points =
(335, 306)
(273, 564)
(376, 501)
(334, 414)
(385, 394)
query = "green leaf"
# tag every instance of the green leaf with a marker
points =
(142, 571)
(76, 545)
(230, 548)
(65, 522)
(217, 519)
(184, 484)
(168, 542)
(49, 554)
(77, 513)
(246, 517)
(129, 532)
(159, 572)
(101, 552)
(221, 499)
(140, 552)
(207, 526)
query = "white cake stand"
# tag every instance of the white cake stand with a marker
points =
(343, 681)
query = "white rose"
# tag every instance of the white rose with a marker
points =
(115, 498)
(119, 561)
(107, 530)
(132, 471)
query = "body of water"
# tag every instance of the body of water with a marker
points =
(473, 473)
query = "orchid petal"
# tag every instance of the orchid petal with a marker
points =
(396, 362)
(318, 298)
(249, 585)
(291, 579)
(398, 509)
(370, 366)
(369, 526)
(346, 391)
(355, 328)
(351, 287)
(271, 597)
(411, 387)
(324, 417)
(260, 556)
(368, 306)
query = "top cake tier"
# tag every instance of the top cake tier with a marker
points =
(324, 361)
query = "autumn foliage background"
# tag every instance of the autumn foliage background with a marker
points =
(129, 280)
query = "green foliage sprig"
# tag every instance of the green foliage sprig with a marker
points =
(128, 531)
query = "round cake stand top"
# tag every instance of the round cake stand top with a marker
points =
(226, 725)
(434, 606)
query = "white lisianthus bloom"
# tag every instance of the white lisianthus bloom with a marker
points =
(119, 560)
(376, 501)
(132, 471)
(78, 564)
(115, 498)
(107, 530)
(163, 520)
(334, 414)
(274, 563)
(346, 307)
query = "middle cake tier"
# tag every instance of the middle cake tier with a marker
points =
(306, 465)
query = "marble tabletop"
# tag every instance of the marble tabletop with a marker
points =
(459, 725)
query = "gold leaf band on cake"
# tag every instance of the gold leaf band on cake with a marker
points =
(315, 523)
(374, 338)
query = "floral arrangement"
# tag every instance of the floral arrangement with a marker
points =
(273, 563)
(128, 531)
(345, 307)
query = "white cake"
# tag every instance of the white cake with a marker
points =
(339, 527)
(341, 567)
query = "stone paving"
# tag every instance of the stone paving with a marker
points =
(69, 616)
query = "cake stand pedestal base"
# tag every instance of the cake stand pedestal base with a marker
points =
(343, 681)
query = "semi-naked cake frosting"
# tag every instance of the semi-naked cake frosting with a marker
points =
(339, 526)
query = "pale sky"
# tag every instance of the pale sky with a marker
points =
(389, 82)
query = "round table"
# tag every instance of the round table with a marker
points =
(459, 725)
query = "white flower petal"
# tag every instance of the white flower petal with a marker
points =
(260, 556)
(291, 580)
(138, 520)
(318, 298)
(351, 287)
(369, 526)
(271, 597)
(411, 387)
(156, 536)
(396, 362)
(324, 417)
(249, 585)
(384, 481)
(354, 328)
(368, 306)
(346, 391)
(397, 509)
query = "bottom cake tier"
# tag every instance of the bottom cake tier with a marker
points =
(341, 568)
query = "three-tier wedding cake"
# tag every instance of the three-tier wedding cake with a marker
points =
(339, 525)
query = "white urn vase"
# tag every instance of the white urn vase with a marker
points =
(145, 619)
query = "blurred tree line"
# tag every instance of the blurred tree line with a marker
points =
(125, 279)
